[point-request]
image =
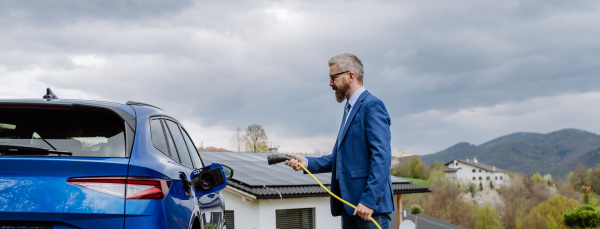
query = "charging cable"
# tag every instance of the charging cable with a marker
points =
(331, 193)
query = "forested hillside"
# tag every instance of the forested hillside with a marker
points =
(555, 153)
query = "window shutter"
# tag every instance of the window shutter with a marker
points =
(302, 218)
(229, 223)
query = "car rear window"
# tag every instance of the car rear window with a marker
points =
(84, 131)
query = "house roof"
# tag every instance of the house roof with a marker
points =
(253, 175)
(478, 165)
(428, 222)
(452, 170)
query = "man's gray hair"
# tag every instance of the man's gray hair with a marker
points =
(348, 62)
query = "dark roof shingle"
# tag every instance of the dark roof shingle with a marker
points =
(253, 175)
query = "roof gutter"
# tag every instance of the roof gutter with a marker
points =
(244, 195)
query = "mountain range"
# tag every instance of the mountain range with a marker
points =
(555, 153)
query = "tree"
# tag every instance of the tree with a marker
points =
(488, 197)
(256, 139)
(411, 167)
(237, 142)
(416, 210)
(595, 177)
(472, 189)
(537, 178)
(492, 185)
(417, 168)
(402, 169)
(486, 218)
(579, 176)
(519, 197)
(548, 214)
(587, 195)
(437, 178)
(436, 166)
(447, 203)
(534, 220)
(586, 216)
(480, 186)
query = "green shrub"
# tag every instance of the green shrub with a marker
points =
(586, 216)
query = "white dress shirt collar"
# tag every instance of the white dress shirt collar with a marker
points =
(355, 95)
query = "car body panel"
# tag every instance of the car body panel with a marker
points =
(37, 186)
(22, 177)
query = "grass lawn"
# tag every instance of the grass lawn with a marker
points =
(417, 181)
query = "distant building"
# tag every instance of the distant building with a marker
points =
(475, 172)
(273, 196)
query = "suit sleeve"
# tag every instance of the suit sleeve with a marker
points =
(377, 127)
(320, 164)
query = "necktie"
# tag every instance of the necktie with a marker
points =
(339, 140)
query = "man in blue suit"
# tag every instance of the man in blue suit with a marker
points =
(361, 158)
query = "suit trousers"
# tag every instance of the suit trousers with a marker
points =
(350, 221)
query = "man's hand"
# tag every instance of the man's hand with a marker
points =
(296, 161)
(363, 211)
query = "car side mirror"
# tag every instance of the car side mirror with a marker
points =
(228, 171)
(208, 179)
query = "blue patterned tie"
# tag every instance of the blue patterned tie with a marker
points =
(339, 140)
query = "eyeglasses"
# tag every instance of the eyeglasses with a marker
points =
(332, 77)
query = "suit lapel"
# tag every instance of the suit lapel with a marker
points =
(355, 109)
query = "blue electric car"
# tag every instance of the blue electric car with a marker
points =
(90, 164)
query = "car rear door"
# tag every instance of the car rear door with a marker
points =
(212, 207)
(188, 202)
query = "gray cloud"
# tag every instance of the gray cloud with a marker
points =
(57, 13)
(234, 64)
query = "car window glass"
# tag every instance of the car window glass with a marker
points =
(85, 131)
(174, 153)
(193, 150)
(184, 155)
(158, 136)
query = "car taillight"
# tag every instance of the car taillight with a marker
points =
(125, 187)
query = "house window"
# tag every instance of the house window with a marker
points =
(473, 170)
(487, 178)
(500, 178)
(301, 218)
(474, 178)
(229, 223)
(480, 170)
(456, 163)
(496, 178)
(480, 178)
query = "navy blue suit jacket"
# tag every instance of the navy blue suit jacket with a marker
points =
(364, 157)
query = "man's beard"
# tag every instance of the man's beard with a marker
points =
(342, 91)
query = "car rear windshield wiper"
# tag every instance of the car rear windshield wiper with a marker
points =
(13, 149)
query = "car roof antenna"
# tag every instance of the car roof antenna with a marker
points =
(50, 95)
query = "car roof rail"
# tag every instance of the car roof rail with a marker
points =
(142, 104)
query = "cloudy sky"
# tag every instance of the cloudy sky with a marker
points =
(448, 71)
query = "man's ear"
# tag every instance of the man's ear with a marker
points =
(351, 76)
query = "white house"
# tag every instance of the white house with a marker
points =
(274, 196)
(476, 172)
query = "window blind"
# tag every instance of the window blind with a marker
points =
(229, 223)
(302, 218)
